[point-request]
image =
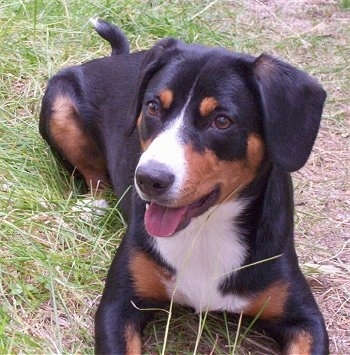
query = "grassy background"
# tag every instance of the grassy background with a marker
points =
(53, 262)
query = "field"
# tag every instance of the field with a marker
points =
(53, 260)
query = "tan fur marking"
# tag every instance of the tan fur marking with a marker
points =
(301, 344)
(207, 106)
(255, 151)
(133, 341)
(139, 121)
(166, 98)
(75, 145)
(207, 172)
(144, 144)
(149, 278)
(265, 66)
(270, 302)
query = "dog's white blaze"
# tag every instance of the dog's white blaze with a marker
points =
(168, 149)
(203, 254)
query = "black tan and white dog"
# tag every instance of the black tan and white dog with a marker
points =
(207, 138)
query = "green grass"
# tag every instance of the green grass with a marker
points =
(52, 262)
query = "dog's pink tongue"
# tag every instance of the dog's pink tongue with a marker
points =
(163, 221)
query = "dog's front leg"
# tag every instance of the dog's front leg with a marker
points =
(118, 327)
(135, 286)
(300, 330)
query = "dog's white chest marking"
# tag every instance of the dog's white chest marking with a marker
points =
(203, 254)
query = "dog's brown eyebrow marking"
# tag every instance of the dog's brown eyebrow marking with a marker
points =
(166, 98)
(207, 106)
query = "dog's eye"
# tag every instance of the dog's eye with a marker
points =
(222, 122)
(153, 108)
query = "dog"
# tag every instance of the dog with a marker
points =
(206, 138)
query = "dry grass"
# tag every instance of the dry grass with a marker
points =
(52, 264)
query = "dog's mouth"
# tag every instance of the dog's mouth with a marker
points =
(162, 221)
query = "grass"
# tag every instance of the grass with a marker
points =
(53, 263)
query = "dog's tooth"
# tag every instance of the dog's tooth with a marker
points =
(147, 205)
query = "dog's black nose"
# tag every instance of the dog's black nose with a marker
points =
(154, 178)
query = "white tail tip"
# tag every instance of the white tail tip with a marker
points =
(94, 21)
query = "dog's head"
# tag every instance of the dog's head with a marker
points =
(208, 118)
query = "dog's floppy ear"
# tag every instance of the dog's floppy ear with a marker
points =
(160, 54)
(292, 104)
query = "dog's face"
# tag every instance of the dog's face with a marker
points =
(202, 122)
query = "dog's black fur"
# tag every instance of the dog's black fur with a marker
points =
(246, 123)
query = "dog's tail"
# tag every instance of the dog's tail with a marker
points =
(112, 34)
